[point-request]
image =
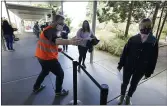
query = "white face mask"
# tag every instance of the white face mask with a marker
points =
(59, 27)
(59, 30)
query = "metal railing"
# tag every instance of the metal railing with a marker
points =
(103, 88)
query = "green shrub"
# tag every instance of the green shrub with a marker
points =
(164, 29)
(163, 36)
(114, 45)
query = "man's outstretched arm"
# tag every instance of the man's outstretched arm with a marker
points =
(73, 41)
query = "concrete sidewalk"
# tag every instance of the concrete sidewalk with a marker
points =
(20, 70)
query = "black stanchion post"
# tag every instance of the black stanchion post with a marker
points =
(104, 94)
(75, 81)
(75, 101)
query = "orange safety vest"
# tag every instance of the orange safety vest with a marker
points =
(46, 50)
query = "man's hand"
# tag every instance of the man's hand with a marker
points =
(74, 41)
(64, 31)
(73, 38)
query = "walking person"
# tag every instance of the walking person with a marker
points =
(138, 59)
(64, 35)
(36, 29)
(8, 34)
(47, 54)
(84, 33)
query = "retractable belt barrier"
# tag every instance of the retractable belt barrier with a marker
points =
(103, 88)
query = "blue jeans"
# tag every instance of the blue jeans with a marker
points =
(9, 42)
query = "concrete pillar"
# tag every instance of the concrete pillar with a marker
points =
(16, 24)
(62, 7)
(7, 12)
(93, 26)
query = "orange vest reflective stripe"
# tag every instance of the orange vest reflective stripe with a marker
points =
(46, 49)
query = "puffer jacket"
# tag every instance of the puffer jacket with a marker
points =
(138, 56)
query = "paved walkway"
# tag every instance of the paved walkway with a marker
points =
(20, 70)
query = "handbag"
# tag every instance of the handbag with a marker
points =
(92, 43)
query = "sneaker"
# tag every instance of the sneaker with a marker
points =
(62, 93)
(12, 49)
(39, 89)
(84, 65)
(121, 99)
(127, 101)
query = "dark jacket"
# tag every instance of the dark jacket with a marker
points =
(8, 30)
(138, 56)
(50, 34)
(36, 28)
(65, 35)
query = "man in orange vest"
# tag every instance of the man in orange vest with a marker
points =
(47, 54)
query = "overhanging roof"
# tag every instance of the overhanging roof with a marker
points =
(28, 12)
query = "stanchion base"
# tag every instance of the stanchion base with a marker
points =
(72, 102)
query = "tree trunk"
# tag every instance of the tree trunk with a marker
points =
(129, 19)
(155, 14)
(160, 20)
(162, 26)
(62, 12)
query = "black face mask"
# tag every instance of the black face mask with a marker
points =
(145, 30)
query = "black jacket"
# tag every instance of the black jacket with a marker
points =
(138, 56)
(8, 30)
(65, 35)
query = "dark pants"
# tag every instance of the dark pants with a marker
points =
(65, 47)
(136, 77)
(82, 54)
(37, 34)
(9, 42)
(53, 66)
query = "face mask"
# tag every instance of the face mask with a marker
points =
(145, 31)
(59, 27)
